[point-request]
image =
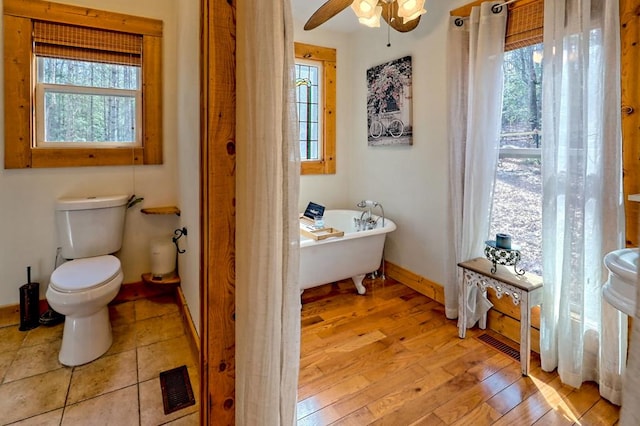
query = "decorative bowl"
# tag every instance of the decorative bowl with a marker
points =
(502, 256)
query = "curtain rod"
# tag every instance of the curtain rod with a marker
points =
(496, 8)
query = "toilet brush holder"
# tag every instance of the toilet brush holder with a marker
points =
(29, 304)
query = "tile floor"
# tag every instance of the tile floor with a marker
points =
(120, 388)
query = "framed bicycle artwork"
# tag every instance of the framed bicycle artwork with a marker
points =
(389, 103)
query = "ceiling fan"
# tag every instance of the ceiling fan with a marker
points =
(401, 15)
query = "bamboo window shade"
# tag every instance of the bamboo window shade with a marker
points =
(86, 44)
(524, 24)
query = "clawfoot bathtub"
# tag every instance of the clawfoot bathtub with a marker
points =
(353, 255)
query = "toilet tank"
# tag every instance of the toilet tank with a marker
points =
(90, 226)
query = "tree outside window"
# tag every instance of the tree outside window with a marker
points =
(517, 199)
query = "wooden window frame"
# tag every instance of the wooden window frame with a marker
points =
(19, 85)
(327, 56)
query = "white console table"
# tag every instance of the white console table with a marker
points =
(524, 290)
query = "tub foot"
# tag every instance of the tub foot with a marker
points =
(357, 280)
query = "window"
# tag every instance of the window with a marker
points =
(86, 103)
(79, 87)
(517, 198)
(315, 100)
(309, 104)
(88, 89)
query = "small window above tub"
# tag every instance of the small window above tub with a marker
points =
(316, 106)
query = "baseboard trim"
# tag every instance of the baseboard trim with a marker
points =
(187, 320)
(420, 284)
(139, 290)
(10, 314)
(503, 318)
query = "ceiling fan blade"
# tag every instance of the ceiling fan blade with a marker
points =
(390, 14)
(325, 12)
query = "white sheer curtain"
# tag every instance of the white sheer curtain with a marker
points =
(582, 211)
(475, 57)
(267, 231)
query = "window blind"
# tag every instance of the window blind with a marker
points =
(525, 24)
(86, 44)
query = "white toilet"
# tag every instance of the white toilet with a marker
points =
(89, 230)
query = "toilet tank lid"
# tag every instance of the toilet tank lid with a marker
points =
(85, 203)
(82, 274)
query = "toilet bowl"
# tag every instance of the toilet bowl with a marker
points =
(90, 229)
(81, 289)
(620, 288)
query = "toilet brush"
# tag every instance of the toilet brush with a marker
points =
(29, 304)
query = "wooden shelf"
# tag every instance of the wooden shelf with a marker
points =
(148, 279)
(162, 210)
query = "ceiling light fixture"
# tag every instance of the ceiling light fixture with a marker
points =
(370, 11)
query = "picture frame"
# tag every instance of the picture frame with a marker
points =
(389, 103)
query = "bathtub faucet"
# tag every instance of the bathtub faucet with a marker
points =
(364, 223)
(369, 222)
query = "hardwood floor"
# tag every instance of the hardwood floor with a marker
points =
(392, 358)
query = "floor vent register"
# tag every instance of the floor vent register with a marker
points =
(176, 389)
(502, 347)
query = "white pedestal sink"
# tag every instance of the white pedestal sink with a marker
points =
(620, 288)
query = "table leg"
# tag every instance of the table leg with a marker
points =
(482, 322)
(525, 334)
(462, 307)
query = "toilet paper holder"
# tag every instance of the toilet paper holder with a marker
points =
(178, 234)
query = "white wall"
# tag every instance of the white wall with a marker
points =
(411, 181)
(189, 152)
(331, 190)
(27, 196)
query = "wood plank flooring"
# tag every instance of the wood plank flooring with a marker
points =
(391, 357)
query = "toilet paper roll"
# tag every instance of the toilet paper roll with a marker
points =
(163, 257)
(503, 241)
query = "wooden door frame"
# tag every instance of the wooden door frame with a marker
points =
(217, 195)
(217, 208)
(629, 69)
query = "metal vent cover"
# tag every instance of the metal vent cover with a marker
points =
(502, 347)
(176, 389)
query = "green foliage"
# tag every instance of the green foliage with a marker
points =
(522, 94)
(77, 107)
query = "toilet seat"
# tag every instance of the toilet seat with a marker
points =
(84, 274)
